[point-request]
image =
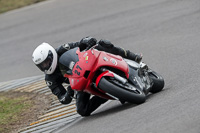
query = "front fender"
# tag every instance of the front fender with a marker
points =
(104, 74)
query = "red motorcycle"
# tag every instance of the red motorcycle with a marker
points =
(109, 76)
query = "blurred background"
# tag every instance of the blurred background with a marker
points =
(165, 31)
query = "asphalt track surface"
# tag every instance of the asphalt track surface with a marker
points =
(167, 32)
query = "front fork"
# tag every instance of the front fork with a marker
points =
(116, 76)
(139, 77)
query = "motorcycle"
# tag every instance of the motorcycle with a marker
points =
(109, 76)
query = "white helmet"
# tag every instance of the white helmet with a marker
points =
(45, 58)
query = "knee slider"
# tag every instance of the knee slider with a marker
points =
(83, 112)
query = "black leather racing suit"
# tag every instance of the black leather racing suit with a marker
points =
(85, 105)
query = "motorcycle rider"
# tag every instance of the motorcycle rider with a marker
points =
(45, 57)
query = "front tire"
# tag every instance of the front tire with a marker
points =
(136, 97)
(158, 82)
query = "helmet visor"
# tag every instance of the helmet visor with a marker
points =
(46, 64)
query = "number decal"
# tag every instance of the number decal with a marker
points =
(78, 67)
(76, 71)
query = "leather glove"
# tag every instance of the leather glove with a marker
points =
(67, 97)
(88, 41)
(70, 91)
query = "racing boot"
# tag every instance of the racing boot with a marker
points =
(135, 57)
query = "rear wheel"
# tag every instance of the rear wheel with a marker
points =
(126, 92)
(158, 82)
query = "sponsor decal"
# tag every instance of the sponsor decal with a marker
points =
(86, 58)
(72, 81)
(49, 83)
(105, 58)
(113, 61)
(85, 55)
(71, 65)
(38, 60)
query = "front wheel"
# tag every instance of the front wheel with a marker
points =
(158, 81)
(125, 92)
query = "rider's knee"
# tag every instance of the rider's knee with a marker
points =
(83, 112)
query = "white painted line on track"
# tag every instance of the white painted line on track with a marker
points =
(56, 115)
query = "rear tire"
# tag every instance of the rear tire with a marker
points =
(122, 93)
(158, 82)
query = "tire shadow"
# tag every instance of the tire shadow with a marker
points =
(117, 108)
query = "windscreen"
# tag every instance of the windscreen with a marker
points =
(68, 60)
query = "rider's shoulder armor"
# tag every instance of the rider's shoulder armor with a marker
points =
(55, 79)
(62, 49)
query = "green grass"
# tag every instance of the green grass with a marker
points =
(7, 5)
(10, 109)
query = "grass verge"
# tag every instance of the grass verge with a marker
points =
(19, 109)
(10, 109)
(7, 5)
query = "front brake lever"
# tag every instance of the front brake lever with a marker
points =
(88, 48)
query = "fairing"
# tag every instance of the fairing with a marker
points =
(90, 62)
